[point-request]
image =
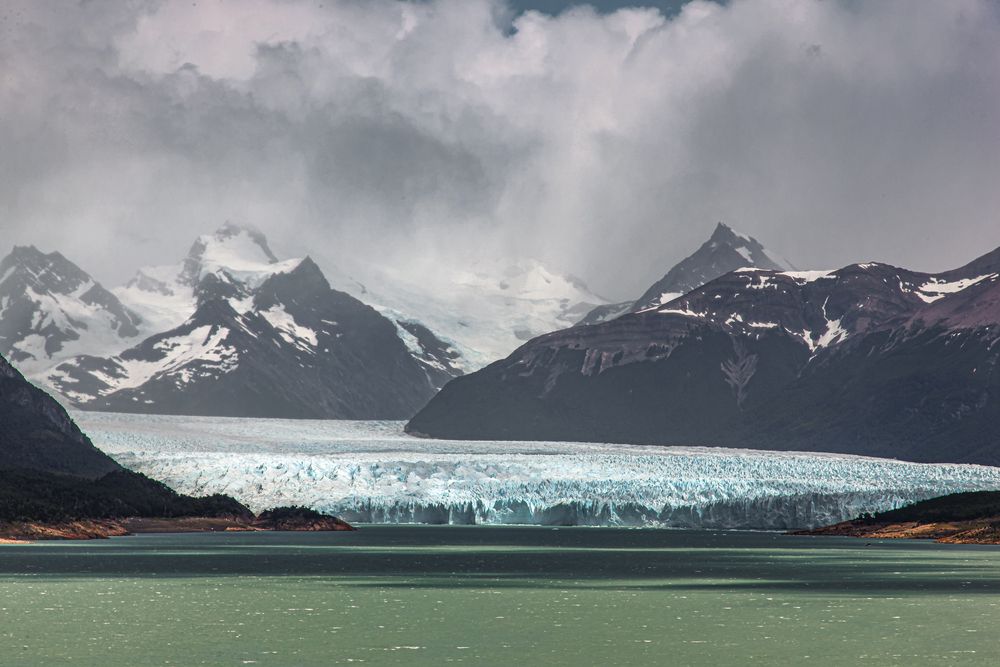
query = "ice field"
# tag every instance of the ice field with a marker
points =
(372, 472)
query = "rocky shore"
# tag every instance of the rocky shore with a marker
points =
(15, 532)
(978, 531)
(959, 518)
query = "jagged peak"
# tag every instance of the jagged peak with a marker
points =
(30, 253)
(724, 234)
(43, 271)
(306, 270)
(26, 250)
(305, 278)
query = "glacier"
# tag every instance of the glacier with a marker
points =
(372, 472)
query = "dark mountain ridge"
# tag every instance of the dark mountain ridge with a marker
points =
(870, 359)
(36, 432)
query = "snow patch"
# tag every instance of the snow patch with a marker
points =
(289, 329)
(201, 345)
(935, 288)
(808, 276)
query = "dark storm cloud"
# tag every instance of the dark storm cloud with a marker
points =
(605, 142)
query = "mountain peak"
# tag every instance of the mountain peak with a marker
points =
(726, 250)
(306, 278)
(726, 235)
(723, 232)
(233, 248)
(21, 251)
(45, 273)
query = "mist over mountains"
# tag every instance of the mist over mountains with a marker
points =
(729, 347)
(414, 133)
(869, 359)
(232, 330)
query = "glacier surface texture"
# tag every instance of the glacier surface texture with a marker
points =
(371, 472)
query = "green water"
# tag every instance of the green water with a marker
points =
(408, 595)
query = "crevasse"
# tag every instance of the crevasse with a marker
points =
(372, 472)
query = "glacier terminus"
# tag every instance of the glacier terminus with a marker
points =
(371, 471)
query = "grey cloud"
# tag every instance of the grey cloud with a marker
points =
(606, 144)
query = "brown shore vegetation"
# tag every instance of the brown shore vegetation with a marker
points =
(18, 532)
(976, 531)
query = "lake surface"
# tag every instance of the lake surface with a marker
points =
(498, 595)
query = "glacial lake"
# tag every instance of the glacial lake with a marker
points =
(498, 595)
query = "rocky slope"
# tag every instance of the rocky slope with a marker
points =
(870, 359)
(726, 250)
(54, 484)
(37, 434)
(49, 470)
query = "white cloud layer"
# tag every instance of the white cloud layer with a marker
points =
(606, 144)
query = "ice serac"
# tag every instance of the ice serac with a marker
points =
(727, 250)
(372, 472)
(264, 338)
(51, 310)
(869, 359)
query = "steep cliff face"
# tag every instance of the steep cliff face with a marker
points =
(870, 359)
(37, 434)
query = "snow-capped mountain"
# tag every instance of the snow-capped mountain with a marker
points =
(726, 250)
(869, 359)
(484, 312)
(232, 264)
(246, 334)
(51, 310)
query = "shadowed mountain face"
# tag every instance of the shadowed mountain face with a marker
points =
(725, 251)
(37, 434)
(870, 359)
(50, 471)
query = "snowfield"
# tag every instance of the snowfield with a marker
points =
(373, 472)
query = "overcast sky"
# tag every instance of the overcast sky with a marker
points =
(606, 142)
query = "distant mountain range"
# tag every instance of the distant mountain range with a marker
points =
(250, 335)
(51, 310)
(868, 359)
(485, 310)
(231, 330)
(726, 250)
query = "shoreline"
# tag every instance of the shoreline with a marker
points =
(974, 531)
(27, 532)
